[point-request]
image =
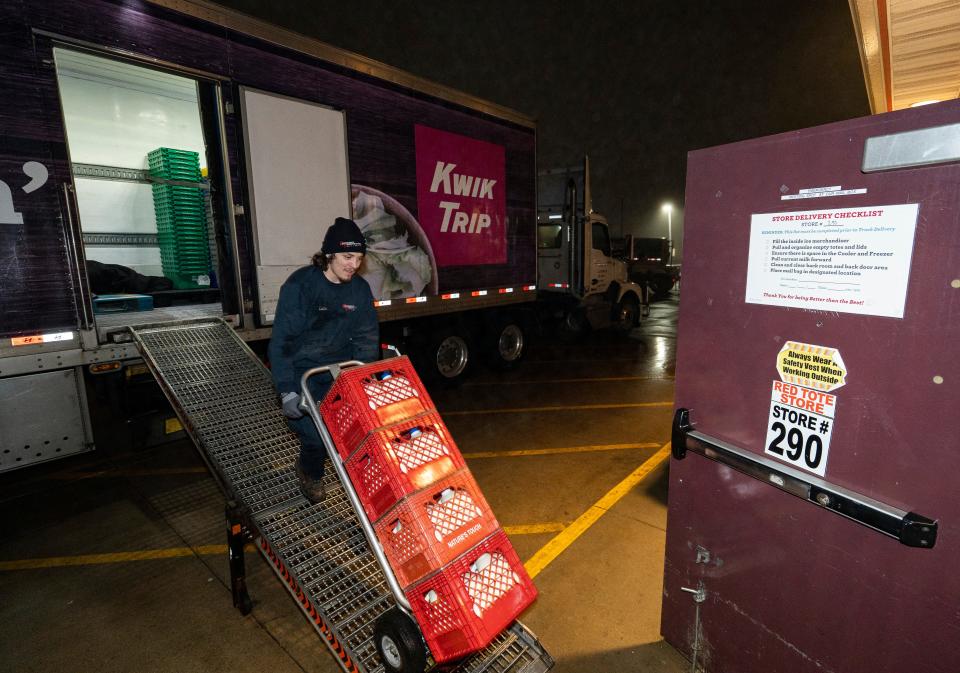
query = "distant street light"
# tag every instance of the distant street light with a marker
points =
(668, 209)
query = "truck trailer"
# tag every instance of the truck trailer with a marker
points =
(650, 263)
(165, 167)
(172, 160)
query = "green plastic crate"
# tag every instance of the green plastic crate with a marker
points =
(173, 164)
(181, 216)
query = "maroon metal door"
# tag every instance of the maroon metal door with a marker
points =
(816, 507)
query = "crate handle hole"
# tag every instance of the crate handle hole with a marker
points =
(482, 562)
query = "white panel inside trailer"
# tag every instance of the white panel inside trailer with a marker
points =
(299, 183)
(115, 113)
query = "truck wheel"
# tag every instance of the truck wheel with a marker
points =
(506, 343)
(627, 313)
(574, 325)
(446, 358)
(398, 643)
(662, 287)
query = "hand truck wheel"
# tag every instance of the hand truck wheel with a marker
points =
(399, 643)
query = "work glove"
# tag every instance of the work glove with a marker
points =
(291, 405)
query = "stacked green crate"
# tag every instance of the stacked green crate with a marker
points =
(182, 230)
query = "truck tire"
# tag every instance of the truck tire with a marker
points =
(626, 314)
(446, 357)
(574, 325)
(398, 642)
(506, 343)
(662, 287)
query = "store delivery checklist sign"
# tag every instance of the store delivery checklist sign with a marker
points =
(461, 198)
(849, 260)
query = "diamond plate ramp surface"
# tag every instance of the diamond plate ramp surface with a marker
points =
(225, 398)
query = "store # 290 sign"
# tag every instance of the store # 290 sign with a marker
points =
(802, 408)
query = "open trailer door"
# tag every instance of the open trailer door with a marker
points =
(813, 507)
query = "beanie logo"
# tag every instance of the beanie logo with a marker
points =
(343, 236)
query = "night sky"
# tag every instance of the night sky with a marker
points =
(635, 85)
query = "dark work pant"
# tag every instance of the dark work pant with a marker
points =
(312, 450)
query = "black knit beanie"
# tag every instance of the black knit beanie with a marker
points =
(343, 236)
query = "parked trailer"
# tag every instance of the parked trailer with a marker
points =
(270, 136)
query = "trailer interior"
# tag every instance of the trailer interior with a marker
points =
(116, 113)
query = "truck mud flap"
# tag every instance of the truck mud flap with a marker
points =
(226, 401)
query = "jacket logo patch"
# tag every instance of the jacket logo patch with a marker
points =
(348, 307)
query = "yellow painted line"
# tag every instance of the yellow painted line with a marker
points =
(569, 535)
(572, 407)
(115, 557)
(560, 449)
(598, 379)
(202, 550)
(534, 528)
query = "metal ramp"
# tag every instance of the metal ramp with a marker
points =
(226, 401)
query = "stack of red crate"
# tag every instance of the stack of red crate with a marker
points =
(457, 567)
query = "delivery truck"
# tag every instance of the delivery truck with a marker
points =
(164, 167)
(168, 160)
(581, 282)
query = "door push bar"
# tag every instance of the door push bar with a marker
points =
(912, 530)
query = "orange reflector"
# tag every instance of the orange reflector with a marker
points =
(27, 340)
(529, 288)
(103, 367)
(478, 293)
(505, 290)
(383, 302)
(452, 295)
(415, 300)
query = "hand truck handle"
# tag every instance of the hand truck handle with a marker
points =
(309, 405)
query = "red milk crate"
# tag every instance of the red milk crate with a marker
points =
(394, 462)
(371, 396)
(462, 607)
(434, 526)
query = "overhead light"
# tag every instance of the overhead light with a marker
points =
(554, 217)
(924, 102)
(667, 207)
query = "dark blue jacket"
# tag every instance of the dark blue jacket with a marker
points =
(320, 323)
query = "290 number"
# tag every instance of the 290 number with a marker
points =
(811, 449)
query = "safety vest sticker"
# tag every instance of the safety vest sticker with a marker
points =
(800, 426)
(811, 366)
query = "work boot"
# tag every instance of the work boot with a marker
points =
(312, 489)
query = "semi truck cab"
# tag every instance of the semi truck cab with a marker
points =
(579, 280)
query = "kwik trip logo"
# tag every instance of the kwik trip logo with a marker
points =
(460, 197)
